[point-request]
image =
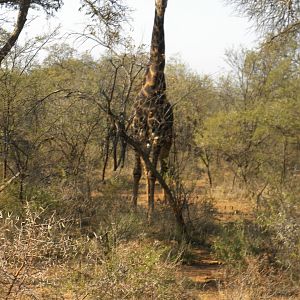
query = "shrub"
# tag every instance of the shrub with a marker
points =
(258, 281)
(133, 271)
(43, 257)
(231, 245)
(202, 215)
(280, 217)
(29, 247)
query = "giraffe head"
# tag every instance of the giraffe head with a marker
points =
(161, 6)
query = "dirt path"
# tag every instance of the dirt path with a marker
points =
(204, 273)
(204, 270)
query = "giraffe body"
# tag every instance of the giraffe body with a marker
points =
(153, 118)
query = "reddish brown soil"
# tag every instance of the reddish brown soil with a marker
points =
(204, 273)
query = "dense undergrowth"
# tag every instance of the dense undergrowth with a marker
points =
(55, 251)
(47, 253)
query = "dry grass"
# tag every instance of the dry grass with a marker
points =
(115, 255)
(42, 258)
(259, 281)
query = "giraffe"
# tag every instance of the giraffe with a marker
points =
(153, 115)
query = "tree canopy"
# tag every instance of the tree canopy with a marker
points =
(275, 16)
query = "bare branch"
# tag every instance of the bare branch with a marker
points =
(275, 16)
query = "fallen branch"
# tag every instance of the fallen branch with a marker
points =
(7, 183)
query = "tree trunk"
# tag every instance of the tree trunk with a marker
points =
(21, 20)
(175, 206)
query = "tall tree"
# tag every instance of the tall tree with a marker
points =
(23, 7)
(275, 16)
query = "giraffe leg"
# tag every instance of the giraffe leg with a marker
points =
(151, 180)
(164, 171)
(151, 189)
(147, 175)
(137, 173)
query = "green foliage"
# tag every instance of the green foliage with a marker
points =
(194, 98)
(134, 270)
(257, 128)
(232, 245)
(40, 198)
(279, 216)
(273, 234)
(35, 199)
(203, 219)
(9, 202)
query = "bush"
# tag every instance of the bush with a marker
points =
(42, 258)
(132, 270)
(280, 217)
(231, 245)
(264, 251)
(29, 247)
(258, 281)
(203, 222)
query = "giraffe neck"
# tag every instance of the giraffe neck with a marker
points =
(154, 81)
(157, 51)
